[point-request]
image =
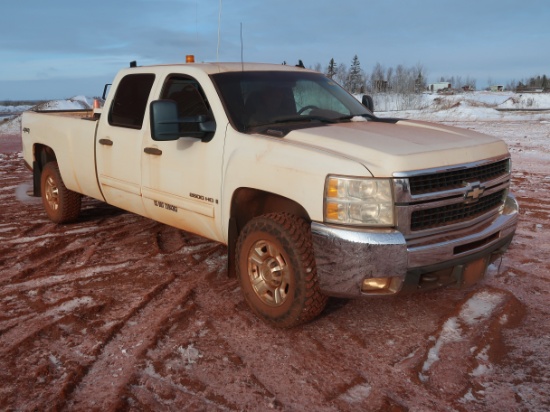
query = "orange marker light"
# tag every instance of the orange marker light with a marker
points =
(190, 58)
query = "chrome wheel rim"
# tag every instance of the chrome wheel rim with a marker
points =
(269, 273)
(51, 193)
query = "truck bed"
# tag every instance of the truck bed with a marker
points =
(72, 134)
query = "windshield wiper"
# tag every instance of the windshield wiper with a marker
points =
(301, 119)
(292, 119)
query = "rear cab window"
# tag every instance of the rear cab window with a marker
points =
(130, 101)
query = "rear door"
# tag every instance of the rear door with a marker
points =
(119, 143)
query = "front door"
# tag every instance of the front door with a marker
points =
(181, 180)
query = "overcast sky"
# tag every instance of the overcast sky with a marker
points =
(61, 48)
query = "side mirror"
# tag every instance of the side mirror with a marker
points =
(164, 120)
(368, 102)
(105, 90)
(207, 127)
(165, 123)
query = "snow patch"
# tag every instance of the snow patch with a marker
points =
(357, 394)
(451, 332)
(477, 309)
(73, 304)
(22, 194)
(189, 354)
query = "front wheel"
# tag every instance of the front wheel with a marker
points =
(61, 204)
(277, 272)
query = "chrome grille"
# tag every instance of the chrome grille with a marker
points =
(454, 213)
(453, 179)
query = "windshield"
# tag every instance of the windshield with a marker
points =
(255, 99)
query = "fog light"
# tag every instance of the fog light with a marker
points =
(376, 284)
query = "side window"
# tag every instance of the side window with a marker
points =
(191, 100)
(130, 102)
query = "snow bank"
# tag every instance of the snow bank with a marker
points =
(11, 121)
(470, 106)
(527, 101)
(75, 103)
(475, 106)
(14, 109)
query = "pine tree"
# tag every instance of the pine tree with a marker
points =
(356, 79)
(331, 69)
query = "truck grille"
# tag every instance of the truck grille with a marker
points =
(455, 213)
(455, 179)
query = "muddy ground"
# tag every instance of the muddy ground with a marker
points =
(117, 312)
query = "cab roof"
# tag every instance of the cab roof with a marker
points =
(220, 67)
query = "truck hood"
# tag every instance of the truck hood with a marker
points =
(385, 148)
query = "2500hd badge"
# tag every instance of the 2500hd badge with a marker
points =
(201, 197)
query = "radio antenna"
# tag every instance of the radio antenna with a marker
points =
(242, 60)
(219, 25)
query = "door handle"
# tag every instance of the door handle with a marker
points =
(153, 151)
(106, 142)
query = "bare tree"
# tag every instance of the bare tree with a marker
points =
(378, 83)
(342, 74)
(318, 67)
(389, 77)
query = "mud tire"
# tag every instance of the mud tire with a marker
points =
(61, 204)
(276, 268)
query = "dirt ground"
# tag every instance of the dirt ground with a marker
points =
(117, 312)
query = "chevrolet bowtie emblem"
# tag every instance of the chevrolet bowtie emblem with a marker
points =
(473, 192)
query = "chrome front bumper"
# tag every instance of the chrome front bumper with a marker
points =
(346, 257)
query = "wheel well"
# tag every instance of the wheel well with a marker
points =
(42, 155)
(247, 204)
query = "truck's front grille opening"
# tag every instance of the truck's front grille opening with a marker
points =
(455, 213)
(474, 245)
(455, 179)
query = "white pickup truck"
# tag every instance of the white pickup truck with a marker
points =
(313, 195)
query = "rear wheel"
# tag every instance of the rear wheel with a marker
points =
(276, 268)
(61, 204)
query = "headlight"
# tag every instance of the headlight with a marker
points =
(359, 201)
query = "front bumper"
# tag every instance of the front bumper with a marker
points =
(346, 257)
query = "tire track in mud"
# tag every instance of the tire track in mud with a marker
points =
(244, 364)
(105, 380)
(125, 350)
(19, 330)
(169, 377)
